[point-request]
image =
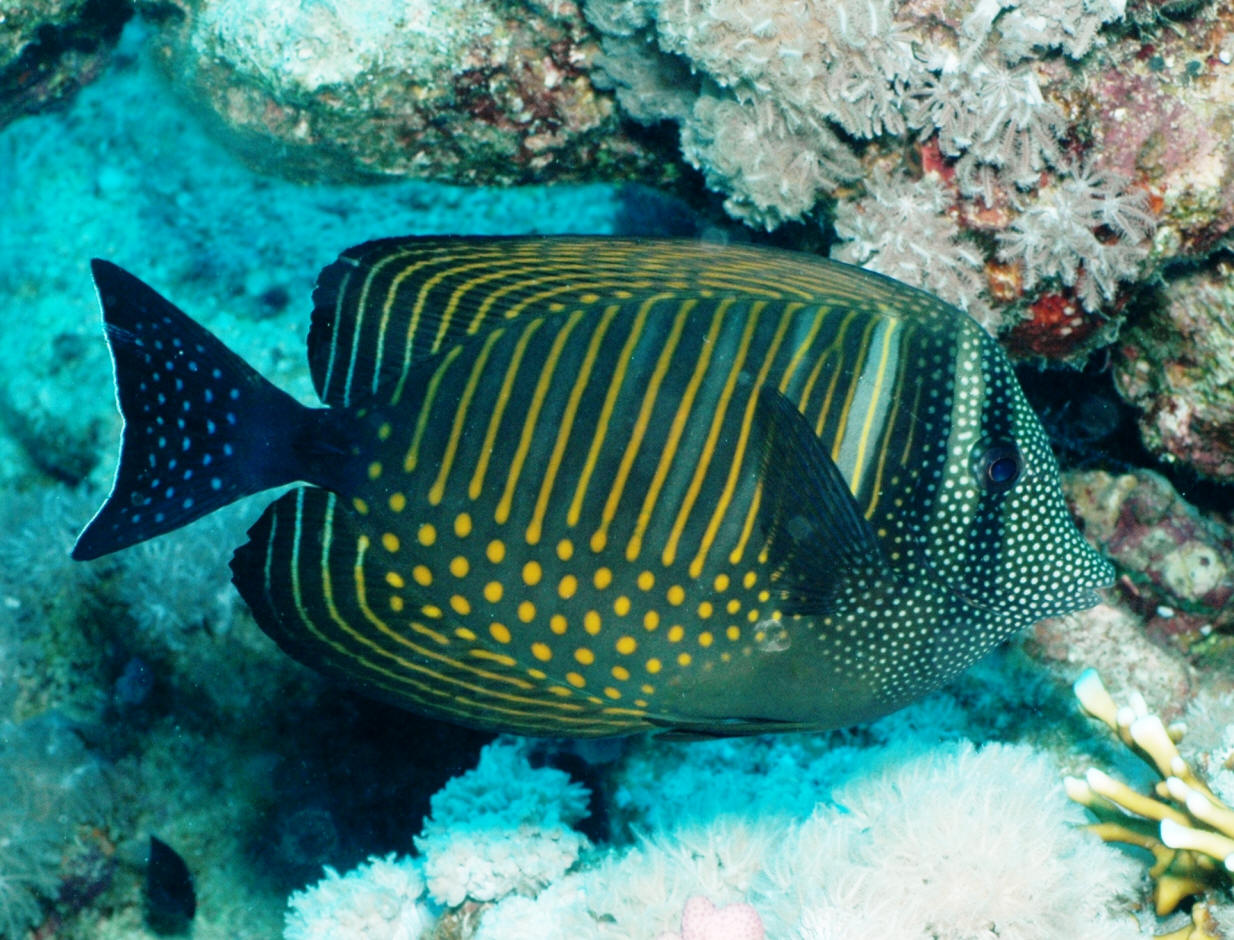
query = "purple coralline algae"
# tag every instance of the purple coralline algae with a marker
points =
(456, 90)
(1177, 365)
(1176, 563)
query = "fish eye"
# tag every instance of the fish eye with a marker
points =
(997, 465)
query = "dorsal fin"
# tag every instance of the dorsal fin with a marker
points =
(386, 305)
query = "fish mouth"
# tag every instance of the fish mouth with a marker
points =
(1081, 596)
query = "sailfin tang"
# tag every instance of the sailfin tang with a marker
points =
(818, 538)
(201, 427)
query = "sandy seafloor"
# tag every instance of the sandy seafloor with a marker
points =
(182, 718)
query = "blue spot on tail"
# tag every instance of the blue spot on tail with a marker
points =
(246, 443)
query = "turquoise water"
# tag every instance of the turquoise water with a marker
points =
(138, 697)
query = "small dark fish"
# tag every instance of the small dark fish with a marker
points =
(171, 900)
(584, 486)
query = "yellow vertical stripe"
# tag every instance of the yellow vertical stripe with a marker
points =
(426, 409)
(880, 376)
(533, 415)
(535, 528)
(859, 361)
(387, 308)
(876, 488)
(499, 409)
(803, 349)
(635, 544)
(739, 452)
(669, 555)
(460, 418)
(644, 412)
(606, 414)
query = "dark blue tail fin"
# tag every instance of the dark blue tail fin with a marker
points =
(201, 427)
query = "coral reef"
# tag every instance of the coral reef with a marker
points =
(980, 150)
(50, 49)
(1188, 829)
(379, 900)
(54, 790)
(1177, 364)
(458, 91)
(1009, 157)
(1177, 564)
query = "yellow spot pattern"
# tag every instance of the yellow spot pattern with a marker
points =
(499, 632)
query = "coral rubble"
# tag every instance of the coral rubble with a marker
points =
(1177, 562)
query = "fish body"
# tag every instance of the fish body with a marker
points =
(595, 486)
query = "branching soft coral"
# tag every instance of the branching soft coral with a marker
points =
(900, 229)
(51, 784)
(379, 900)
(951, 843)
(502, 828)
(1058, 234)
(773, 171)
(786, 108)
(989, 113)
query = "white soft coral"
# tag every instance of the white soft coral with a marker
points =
(901, 229)
(1056, 236)
(503, 828)
(379, 900)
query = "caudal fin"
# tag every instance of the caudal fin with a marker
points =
(201, 427)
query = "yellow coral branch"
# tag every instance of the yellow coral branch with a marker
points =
(1188, 830)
